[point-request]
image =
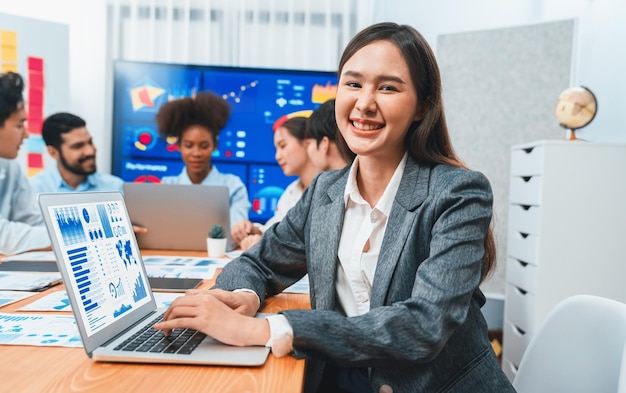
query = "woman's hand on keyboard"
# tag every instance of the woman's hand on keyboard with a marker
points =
(206, 312)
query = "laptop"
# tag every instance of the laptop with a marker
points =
(108, 288)
(178, 216)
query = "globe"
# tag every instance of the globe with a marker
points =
(575, 108)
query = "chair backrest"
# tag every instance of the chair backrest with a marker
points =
(579, 348)
(622, 378)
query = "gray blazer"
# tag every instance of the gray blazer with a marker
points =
(424, 331)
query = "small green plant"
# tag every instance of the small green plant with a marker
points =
(217, 232)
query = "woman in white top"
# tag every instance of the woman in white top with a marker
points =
(291, 154)
(197, 122)
(395, 246)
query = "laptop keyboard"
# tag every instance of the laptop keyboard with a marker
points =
(182, 341)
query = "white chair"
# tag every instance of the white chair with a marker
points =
(622, 376)
(579, 348)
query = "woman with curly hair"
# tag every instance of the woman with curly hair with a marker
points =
(196, 123)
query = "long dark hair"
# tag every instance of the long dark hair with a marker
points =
(11, 88)
(427, 141)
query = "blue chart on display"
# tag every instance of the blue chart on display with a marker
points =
(97, 244)
(70, 226)
(259, 99)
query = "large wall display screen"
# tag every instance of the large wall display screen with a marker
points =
(258, 98)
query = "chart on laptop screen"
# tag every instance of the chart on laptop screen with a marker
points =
(96, 244)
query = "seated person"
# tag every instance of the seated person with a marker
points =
(291, 154)
(70, 144)
(327, 149)
(21, 223)
(395, 246)
(196, 122)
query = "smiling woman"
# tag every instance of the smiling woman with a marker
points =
(196, 123)
(395, 245)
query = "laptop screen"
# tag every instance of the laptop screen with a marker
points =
(96, 243)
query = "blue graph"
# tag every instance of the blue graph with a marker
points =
(86, 215)
(104, 220)
(140, 289)
(65, 303)
(70, 225)
(78, 257)
(116, 290)
(122, 310)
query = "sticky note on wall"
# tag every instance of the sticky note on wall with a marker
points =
(8, 50)
(34, 112)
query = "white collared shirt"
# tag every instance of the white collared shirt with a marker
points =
(355, 272)
(361, 238)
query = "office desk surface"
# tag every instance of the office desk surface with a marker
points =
(56, 369)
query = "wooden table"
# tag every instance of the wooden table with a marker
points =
(57, 369)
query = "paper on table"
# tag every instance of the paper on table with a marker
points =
(172, 271)
(55, 301)
(39, 330)
(28, 281)
(181, 267)
(8, 297)
(165, 299)
(184, 261)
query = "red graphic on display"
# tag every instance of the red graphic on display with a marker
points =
(145, 138)
(148, 179)
(145, 99)
(145, 96)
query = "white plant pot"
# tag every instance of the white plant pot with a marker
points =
(216, 247)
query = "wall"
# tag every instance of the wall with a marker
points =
(88, 70)
(45, 92)
(500, 87)
(599, 61)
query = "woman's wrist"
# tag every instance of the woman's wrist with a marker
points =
(257, 332)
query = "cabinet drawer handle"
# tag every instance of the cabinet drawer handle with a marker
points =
(522, 263)
(528, 150)
(519, 331)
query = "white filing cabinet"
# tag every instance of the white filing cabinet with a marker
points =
(567, 233)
